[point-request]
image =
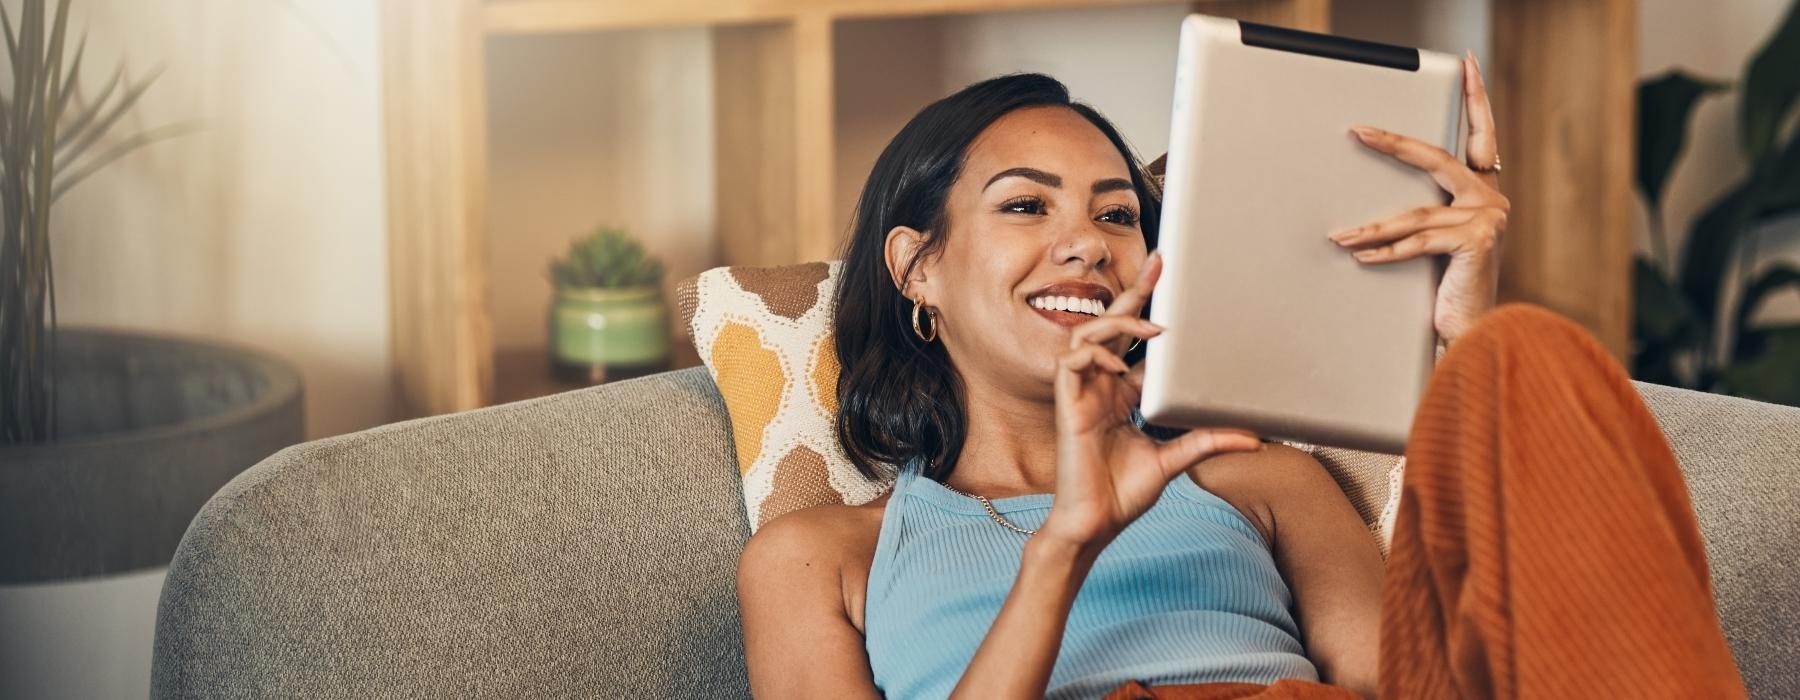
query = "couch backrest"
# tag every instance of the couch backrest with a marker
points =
(585, 544)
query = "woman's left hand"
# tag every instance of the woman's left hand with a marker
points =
(1468, 229)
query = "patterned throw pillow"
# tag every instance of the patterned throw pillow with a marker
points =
(765, 335)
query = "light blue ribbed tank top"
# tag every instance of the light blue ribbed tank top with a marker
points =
(1188, 593)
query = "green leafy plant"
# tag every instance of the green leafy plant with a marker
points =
(51, 139)
(607, 259)
(1684, 335)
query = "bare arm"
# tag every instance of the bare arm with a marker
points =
(799, 641)
(1330, 562)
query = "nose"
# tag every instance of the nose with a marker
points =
(1083, 243)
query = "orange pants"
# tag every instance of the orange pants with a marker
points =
(1545, 545)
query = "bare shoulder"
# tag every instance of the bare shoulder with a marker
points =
(1255, 482)
(799, 593)
(1278, 465)
(825, 537)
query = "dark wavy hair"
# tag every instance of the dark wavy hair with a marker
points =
(900, 398)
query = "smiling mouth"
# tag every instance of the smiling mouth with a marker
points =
(1066, 311)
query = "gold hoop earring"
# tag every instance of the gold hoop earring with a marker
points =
(919, 304)
(1135, 342)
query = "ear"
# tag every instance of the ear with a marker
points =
(903, 243)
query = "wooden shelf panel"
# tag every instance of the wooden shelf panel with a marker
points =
(525, 374)
(504, 17)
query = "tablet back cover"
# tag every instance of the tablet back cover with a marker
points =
(1272, 326)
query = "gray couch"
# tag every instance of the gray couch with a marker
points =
(585, 544)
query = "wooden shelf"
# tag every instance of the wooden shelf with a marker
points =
(526, 374)
(504, 17)
(1562, 83)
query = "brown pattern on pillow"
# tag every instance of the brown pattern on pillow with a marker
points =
(801, 481)
(789, 291)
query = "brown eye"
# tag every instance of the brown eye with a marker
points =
(1122, 216)
(1023, 205)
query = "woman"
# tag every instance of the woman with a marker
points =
(997, 271)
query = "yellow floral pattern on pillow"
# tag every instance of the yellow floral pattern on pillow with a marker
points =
(764, 334)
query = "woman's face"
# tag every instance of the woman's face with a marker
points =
(1043, 217)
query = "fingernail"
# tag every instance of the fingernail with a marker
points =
(1364, 255)
(1341, 236)
(1365, 132)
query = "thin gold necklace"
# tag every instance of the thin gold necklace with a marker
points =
(994, 514)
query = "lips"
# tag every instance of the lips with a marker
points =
(1070, 302)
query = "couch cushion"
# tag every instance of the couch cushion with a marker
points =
(583, 544)
(1741, 459)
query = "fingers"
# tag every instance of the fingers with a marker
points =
(1474, 237)
(1483, 141)
(1195, 446)
(1402, 225)
(1131, 301)
(1091, 356)
(1106, 329)
(1451, 174)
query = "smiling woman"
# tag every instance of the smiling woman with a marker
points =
(900, 396)
(998, 266)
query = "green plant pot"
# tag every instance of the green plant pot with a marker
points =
(601, 334)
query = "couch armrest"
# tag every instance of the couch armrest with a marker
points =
(1742, 463)
(580, 544)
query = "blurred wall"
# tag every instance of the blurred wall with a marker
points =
(264, 223)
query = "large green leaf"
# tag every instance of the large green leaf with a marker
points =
(1660, 312)
(1782, 173)
(1709, 245)
(1773, 374)
(1775, 279)
(1771, 83)
(1663, 324)
(1665, 106)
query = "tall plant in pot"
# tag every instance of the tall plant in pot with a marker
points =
(608, 320)
(110, 440)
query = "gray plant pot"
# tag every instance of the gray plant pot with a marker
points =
(150, 427)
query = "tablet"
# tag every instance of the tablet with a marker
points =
(1271, 326)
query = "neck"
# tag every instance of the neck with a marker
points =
(1010, 446)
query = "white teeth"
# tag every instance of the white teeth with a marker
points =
(1091, 307)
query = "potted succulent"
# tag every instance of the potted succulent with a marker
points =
(608, 320)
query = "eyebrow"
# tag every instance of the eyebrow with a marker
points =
(1112, 185)
(1032, 174)
(1049, 180)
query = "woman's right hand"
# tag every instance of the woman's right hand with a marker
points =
(1108, 472)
